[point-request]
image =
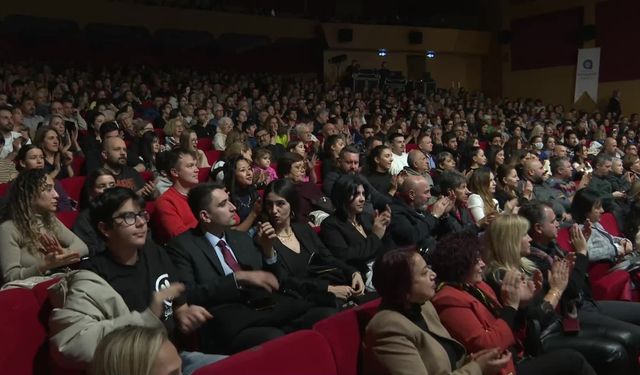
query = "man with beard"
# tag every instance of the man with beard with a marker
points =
(543, 192)
(114, 154)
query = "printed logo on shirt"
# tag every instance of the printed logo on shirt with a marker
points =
(162, 282)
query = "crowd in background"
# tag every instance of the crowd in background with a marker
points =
(371, 171)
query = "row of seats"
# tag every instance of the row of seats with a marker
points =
(605, 285)
(332, 347)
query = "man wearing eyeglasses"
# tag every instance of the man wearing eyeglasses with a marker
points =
(131, 283)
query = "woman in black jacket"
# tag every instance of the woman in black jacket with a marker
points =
(305, 266)
(351, 234)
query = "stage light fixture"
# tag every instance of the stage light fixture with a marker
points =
(431, 54)
(382, 52)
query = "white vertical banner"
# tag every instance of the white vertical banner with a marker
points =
(587, 70)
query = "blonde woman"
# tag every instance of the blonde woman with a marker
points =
(507, 246)
(136, 351)
(189, 141)
(33, 241)
(172, 131)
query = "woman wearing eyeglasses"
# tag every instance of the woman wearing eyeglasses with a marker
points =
(33, 241)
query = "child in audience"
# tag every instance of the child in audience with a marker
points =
(263, 172)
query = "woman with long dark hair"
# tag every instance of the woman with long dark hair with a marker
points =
(238, 179)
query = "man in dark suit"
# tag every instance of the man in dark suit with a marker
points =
(225, 271)
(412, 223)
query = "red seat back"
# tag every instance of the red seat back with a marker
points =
(564, 239)
(318, 169)
(4, 189)
(213, 156)
(302, 352)
(610, 223)
(73, 186)
(146, 176)
(411, 147)
(203, 174)
(205, 144)
(342, 331)
(68, 218)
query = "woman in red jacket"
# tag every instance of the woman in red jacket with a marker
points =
(475, 316)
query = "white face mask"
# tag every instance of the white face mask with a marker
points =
(538, 145)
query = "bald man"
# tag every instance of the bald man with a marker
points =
(543, 192)
(114, 156)
(411, 223)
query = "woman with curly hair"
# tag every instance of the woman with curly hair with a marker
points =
(32, 240)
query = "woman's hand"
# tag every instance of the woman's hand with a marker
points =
(510, 289)
(559, 275)
(54, 254)
(381, 221)
(357, 284)
(257, 206)
(166, 294)
(486, 221)
(266, 237)
(491, 360)
(578, 240)
(341, 291)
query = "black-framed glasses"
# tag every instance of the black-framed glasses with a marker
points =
(129, 218)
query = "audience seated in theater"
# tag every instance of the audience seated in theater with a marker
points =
(586, 209)
(581, 163)
(263, 172)
(129, 284)
(406, 336)
(304, 264)
(266, 140)
(418, 165)
(378, 169)
(481, 202)
(31, 157)
(162, 181)
(189, 141)
(601, 184)
(13, 140)
(93, 142)
(292, 167)
(68, 137)
(472, 159)
(56, 162)
(225, 126)
(114, 155)
(473, 314)
(297, 147)
(234, 150)
(201, 125)
(398, 152)
(172, 132)
(506, 185)
(33, 242)
(332, 145)
(620, 180)
(95, 184)
(351, 234)
(495, 158)
(148, 148)
(226, 272)
(612, 320)
(136, 350)
(238, 179)
(453, 185)
(412, 223)
(533, 171)
(445, 162)
(173, 216)
(349, 163)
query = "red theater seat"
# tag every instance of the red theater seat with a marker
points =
(213, 156)
(303, 352)
(4, 189)
(73, 186)
(205, 144)
(605, 285)
(203, 174)
(67, 218)
(411, 147)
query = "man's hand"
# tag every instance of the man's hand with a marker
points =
(157, 301)
(260, 279)
(441, 207)
(578, 240)
(191, 317)
(147, 190)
